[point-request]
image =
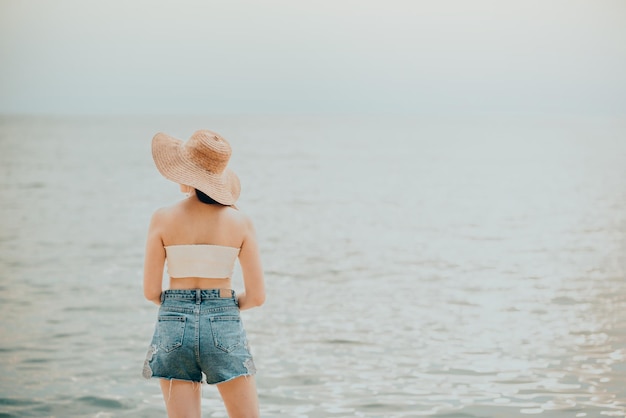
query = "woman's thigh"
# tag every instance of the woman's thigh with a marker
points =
(240, 397)
(182, 398)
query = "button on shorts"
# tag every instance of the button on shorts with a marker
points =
(199, 332)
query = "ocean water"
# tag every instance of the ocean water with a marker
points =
(415, 266)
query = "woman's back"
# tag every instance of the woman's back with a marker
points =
(193, 225)
(191, 222)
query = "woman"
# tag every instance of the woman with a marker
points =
(199, 330)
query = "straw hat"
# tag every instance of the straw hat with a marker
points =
(200, 163)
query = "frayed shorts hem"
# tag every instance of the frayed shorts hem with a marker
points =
(246, 375)
(202, 381)
(175, 378)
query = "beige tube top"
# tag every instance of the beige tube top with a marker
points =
(201, 260)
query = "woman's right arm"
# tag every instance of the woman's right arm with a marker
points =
(154, 261)
(252, 270)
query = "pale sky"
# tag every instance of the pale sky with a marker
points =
(156, 56)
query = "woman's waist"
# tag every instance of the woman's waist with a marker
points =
(192, 283)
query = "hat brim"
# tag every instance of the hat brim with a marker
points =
(174, 164)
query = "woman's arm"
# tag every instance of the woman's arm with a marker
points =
(154, 261)
(253, 281)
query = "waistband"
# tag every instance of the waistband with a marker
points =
(197, 294)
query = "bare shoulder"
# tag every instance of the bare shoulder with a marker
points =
(165, 213)
(158, 215)
(238, 216)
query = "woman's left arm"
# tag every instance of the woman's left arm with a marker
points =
(154, 261)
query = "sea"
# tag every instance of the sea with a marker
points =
(415, 265)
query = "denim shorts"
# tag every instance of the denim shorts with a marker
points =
(199, 332)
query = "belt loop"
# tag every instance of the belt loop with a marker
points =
(162, 297)
(198, 296)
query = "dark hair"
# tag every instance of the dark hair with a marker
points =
(204, 198)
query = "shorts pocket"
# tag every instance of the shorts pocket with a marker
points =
(227, 332)
(171, 332)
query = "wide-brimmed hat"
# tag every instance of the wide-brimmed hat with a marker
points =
(200, 163)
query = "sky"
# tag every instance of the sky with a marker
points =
(323, 56)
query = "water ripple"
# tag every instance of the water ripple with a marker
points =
(474, 278)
